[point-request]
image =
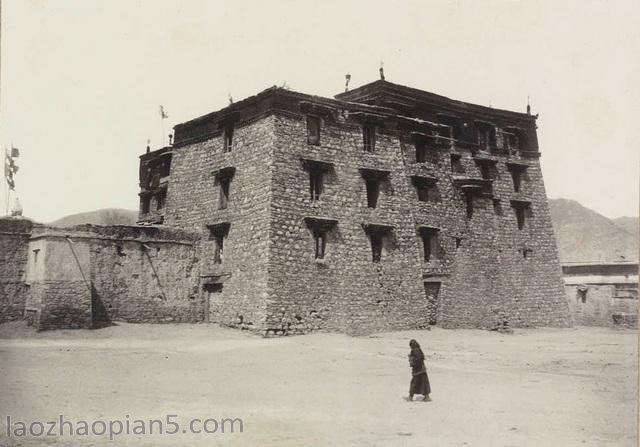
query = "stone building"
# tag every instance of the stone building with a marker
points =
(384, 208)
(602, 293)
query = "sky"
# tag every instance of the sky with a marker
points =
(81, 80)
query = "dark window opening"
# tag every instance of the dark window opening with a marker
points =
(458, 242)
(320, 238)
(217, 234)
(456, 164)
(146, 204)
(487, 170)
(35, 255)
(373, 191)
(526, 252)
(421, 152)
(225, 184)
(485, 136)
(497, 207)
(582, 295)
(469, 205)
(369, 138)
(161, 199)
(521, 210)
(316, 177)
(430, 244)
(228, 138)
(517, 174)
(376, 246)
(426, 189)
(313, 129)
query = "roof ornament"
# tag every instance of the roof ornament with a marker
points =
(148, 145)
(528, 106)
(346, 84)
(381, 70)
(230, 99)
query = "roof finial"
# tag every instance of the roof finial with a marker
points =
(148, 145)
(230, 99)
(382, 70)
(528, 106)
(346, 84)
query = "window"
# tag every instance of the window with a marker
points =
(145, 203)
(373, 191)
(320, 227)
(582, 294)
(377, 234)
(497, 207)
(373, 179)
(421, 152)
(485, 136)
(225, 184)
(469, 204)
(426, 188)
(217, 234)
(313, 129)
(376, 247)
(487, 168)
(161, 198)
(223, 179)
(521, 209)
(517, 173)
(35, 255)
(458, 242)
(317, 171)
(430, 244)
(526, 252)
(456, 164)
(228, 137)
(315, 184)
(369, 137)
(320, 238)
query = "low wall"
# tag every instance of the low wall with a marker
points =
(599, 305)
(89, 276)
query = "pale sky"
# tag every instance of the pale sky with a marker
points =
(81, 81)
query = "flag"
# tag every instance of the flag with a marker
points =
(163, 115)
(15, 153)
(10, 167)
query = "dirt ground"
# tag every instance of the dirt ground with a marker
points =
(538, 387)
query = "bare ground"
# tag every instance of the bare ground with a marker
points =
(538, 387)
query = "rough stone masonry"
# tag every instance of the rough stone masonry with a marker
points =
(384, 208)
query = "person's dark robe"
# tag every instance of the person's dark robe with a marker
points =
(419, 379)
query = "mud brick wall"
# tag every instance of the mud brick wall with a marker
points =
(59, 292)
(14, 241)
(345, 291)
(600, 308)
(88, 276)
(193, 203)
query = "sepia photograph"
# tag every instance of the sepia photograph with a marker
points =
(338, 223)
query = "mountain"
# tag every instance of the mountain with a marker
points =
(629, 224)
(584, 235)
(107, 216)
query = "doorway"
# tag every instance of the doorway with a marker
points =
(211, 301)
(432, 293)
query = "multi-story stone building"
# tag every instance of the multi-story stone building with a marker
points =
(384, 208)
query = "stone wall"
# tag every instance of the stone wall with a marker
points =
(490, 273)
(345, 291)
(235, 290)
(14, 240)
(88, 276)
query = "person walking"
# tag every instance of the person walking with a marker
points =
(419, 378)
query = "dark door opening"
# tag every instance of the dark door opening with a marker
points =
(212, 302)
(432, 293)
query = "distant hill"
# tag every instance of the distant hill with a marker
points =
(630, 224)
(584, 235)
(107, 216)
